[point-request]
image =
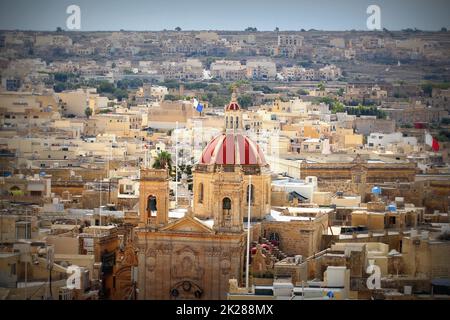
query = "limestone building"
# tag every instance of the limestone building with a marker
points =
(192, 258)
(228, 160)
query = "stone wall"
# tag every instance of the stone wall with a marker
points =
(298, 237)
(204, 262)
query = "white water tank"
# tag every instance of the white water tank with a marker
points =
(407, 290)
(283, 289)
(425, 235)
(336, 276)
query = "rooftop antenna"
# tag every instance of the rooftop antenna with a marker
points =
(248, 232)
(176, 165)
(100, 206)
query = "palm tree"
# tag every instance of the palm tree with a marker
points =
(164, 158)
(88, 112)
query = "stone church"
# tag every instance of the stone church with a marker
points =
(195, 256)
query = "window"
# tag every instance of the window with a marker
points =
(13, 269)
(152, 206)
(251, 190)
(226, 206)
(200, 193)
(392, 220)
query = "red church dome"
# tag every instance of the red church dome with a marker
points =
(232, 149)
(233, 106)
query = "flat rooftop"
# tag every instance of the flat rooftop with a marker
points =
(298, 214)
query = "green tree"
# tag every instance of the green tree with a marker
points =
(427, 88)
(162, 160)
(178, 29)
(219, 101)
(265, 89)
(302, 92)
(120, 94)
(59, 87)
(340, 92)
(88, 112)
(338, 107)
(105, 87)
(172, 97)
(245, 101)
(445, 121)
(321, 86)
(61, 76)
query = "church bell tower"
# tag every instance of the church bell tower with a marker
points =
(154, 197)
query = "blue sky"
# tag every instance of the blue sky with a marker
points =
(224, 14)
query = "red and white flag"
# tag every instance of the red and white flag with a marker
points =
(431, 141)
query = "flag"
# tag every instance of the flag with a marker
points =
(431, 141)
(198, 106)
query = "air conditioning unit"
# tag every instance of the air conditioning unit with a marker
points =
(416, 242)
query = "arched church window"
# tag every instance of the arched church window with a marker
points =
(226, 122)
(151, 206)
(226, 206)
(237, 122)
(200, 193)
(251, 190)
(231, 122)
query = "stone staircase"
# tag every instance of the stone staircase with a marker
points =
(275, 251)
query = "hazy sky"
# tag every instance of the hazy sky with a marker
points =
(224, 14)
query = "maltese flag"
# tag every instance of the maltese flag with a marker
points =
(432, 142)
(198, 106)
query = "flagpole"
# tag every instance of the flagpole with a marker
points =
(248, 233)
(176, 165)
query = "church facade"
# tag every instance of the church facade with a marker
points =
(194, 257)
